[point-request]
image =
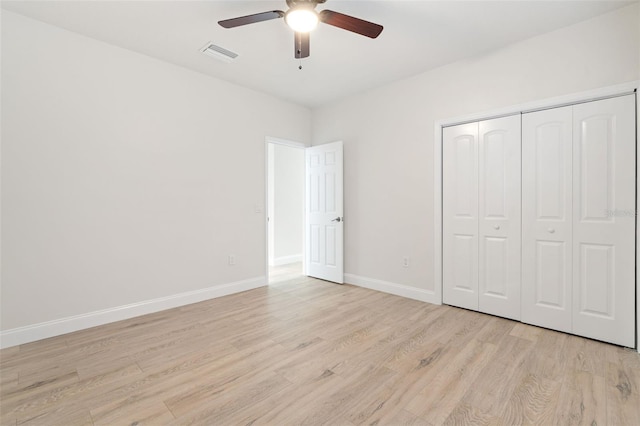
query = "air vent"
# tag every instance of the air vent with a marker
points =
(218, 52)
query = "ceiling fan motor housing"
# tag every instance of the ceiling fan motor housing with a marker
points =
(311, 4)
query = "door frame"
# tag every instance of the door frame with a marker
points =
(292, 144)
(576, 98)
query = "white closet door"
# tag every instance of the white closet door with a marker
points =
(499, 216)
(604, 220)
(460, 216)
(546, 218)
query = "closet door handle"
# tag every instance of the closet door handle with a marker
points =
(551, 230)
(496, 227)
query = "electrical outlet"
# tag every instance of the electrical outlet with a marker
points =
(232, 259)
(405, 262)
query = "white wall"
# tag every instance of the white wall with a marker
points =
(288, 204)
(124, 178)
(388, 135)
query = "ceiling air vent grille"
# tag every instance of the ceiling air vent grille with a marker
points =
(218, 52)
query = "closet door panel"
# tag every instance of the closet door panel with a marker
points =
(604, 220)
(499, 216)
(460, 216)
(546, 218)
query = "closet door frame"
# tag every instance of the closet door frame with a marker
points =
(435, 294)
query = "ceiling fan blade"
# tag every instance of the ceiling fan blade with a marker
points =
(301, 42)
(251, 19)
(349, 23)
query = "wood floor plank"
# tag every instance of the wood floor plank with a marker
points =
(302, 330)
(305, 351)
(172, 378)
(395, 344)
(280, 407)
(8, 379)
(440, 397)
(38, 349)
(548, 358)
(623, 389)
(160, 359)
(219, 380)
(582, 400)
(132, 414)
(12, 400)
(465, 414)
(526, 331)
(213, 410)
(156, 386)
(466, 326)
(586, 355)
(494, 330)
(383, 404)
(331, 354)
(7, 354)
(405, 418)
(421, 340)
(337, 402)
(35, 403)
(37, 354)
(496, 383)
(532, 402)
(72, 416)
(8, 420)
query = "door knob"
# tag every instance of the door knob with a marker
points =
(551, 230)
(496, 227)
(337, 219)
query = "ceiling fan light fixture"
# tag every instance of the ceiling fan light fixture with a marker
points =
(302, 20)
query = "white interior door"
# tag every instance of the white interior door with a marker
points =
(324, 212)
(546, 218)
(499, 216)
(460, 215)
(604, 220)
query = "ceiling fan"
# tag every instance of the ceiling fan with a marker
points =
(302, 18)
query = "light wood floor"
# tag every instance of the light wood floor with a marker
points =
(304, 351)
(284, 272)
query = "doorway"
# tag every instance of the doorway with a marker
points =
(285, 209)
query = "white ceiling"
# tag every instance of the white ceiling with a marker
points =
(417, 36)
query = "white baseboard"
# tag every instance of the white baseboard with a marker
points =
(285, 260)
(31, 333)
(393, 288)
